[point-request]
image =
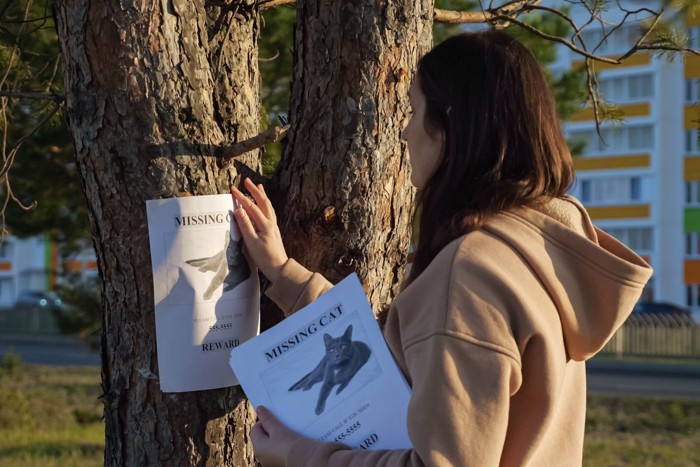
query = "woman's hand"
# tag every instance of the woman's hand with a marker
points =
(258, 225)
(272, 441)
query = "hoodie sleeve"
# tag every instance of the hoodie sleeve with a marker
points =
(463, 366)
(458, 413)
(296, 287)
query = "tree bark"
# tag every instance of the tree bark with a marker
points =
(149, 87)
(345, 196)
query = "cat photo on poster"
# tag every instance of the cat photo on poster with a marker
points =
(341, 360)
(326, 370)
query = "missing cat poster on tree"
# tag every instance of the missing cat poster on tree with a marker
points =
(328, 374)
(207, 295)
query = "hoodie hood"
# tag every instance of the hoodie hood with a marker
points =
(593, 279)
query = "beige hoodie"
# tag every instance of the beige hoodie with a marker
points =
(492, 337)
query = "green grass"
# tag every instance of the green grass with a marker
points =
(50, 416)
(642, 432)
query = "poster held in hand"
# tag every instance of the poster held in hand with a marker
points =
(206, 293)
(328, 374)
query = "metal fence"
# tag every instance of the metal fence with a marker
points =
(656, 336)
(33, 320)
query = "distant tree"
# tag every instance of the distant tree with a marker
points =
(81, 312)
(40, 186)
(275, 46)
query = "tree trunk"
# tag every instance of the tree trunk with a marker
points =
(149, 86)
(346, 199)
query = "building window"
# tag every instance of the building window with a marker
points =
(623, 89)
(612, 140)
(6, 249)
(692, 193)
(692, 90)
(692, 141)
(640, 137)
(694, 36)
(611, 190)
(692, 296)
(591, 39)
(617, 41)
(640, 239)
(615, 140)
(640, 87)
(6, 290)
(585, 190)
(635, 188)
(692, 244)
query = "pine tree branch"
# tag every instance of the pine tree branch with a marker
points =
(265, 4)
(483, 16)
(271, 135)
(7, 164)
(459, 17)
(33, 95)
(670, 48)
(561, 40)
(634, 48)
(559, 13)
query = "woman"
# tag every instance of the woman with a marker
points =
(512, 287)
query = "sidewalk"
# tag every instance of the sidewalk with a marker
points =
(609, 365)
(9, 338)
(48, 349)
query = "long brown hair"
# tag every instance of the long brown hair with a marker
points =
(503, 144)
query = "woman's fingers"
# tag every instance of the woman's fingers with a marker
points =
(261, 199)
(244, 224)
(258, 226)
(253, 211)
(272, 440)
(258, 433)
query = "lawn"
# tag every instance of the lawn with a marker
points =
(51, 416)
(642, 432)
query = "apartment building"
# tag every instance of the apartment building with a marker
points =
(640, 180)
(33, 264)
(23, 266)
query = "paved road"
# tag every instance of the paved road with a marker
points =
(48, 350)
(677, 381)
(604, 376)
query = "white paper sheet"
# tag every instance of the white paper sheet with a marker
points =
(207, 295)
(334, 341)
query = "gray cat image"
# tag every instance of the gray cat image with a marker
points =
(229, 264)
(344, 357)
